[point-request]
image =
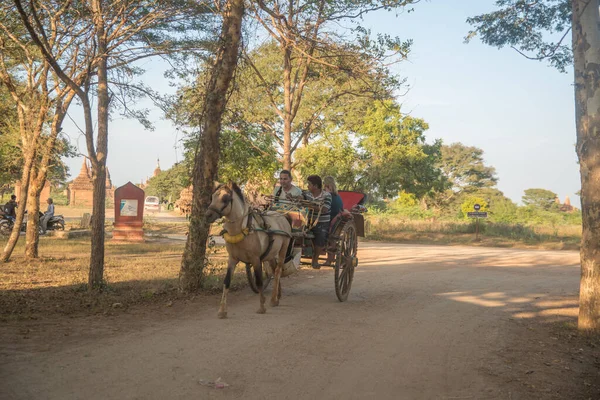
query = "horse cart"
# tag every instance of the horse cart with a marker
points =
(344, 231)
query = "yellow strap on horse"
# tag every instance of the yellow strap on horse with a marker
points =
(235, 238)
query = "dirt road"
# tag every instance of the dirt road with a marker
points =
(422, 322)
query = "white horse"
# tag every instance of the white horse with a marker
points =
(251, 238)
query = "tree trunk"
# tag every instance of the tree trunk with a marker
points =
(96, 274)
(38, 180)
(287, 108)
(25, 178)
(586, 52)
(207, 159)
(32, 235)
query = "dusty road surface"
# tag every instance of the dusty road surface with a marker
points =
(421, 322)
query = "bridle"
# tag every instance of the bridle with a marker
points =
(219, 212)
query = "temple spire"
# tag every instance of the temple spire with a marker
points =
(85, 171)
(157, 170)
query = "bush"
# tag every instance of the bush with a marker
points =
(60, 199)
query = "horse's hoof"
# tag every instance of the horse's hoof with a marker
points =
(222, 314)
(261, 310)
(274, 303)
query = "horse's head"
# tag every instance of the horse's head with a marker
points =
(221, 204)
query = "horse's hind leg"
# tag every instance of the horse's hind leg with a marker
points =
(231, 263)
(259, 284)
(276, 283)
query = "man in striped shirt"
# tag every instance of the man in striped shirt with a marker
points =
(321, 229)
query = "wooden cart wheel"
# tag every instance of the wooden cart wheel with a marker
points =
(345, 261)
(252, 279)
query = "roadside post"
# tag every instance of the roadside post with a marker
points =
(477, 214)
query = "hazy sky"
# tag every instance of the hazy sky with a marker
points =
(520, 112)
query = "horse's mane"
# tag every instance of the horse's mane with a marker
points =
(238, 191)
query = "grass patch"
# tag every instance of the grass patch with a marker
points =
(563, 237)
(56, 283)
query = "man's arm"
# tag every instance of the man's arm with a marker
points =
(326, 206)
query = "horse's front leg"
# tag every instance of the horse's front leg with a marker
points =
(258, 277)
(231, 263)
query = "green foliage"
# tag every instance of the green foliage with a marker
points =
(247, 157)
(463, 172)
(536, 29)
(503, 211)
(59, 198)
(387, 154)
(406, 199)
(167, 185)
(541, 198)
(333, 154)
(410, 212)
(464, 168)
(396, 153)
(10, 154)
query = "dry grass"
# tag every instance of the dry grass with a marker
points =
(566, 237)
(134, 273)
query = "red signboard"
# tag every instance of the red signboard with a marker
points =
(129, 213)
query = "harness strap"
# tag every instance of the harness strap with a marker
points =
(269, 247)
(278, 193)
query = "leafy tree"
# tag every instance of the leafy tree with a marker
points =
(464, 168)
(527, 26)
(206, 159)
(387, 154)
(10, 155)
(541, 198)
(167, 185)
(464, 172)
(335, 154)
(500, 207)
(396, 153)
(319, 40)
(40, 100)
(503, 210)
(96, 48)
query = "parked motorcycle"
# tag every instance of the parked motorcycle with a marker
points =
(56, 223)
(6, 225)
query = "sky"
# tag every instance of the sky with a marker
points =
(519, 112)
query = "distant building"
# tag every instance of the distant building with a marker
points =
(144, 184)
(43, 195)
(157, 170)
(566, 206)
(81, 190)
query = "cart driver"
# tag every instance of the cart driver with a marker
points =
(285, 190)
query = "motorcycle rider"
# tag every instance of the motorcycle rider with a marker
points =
(9, 208)
(47, 215)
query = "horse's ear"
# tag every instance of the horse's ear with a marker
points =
(215, 185)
